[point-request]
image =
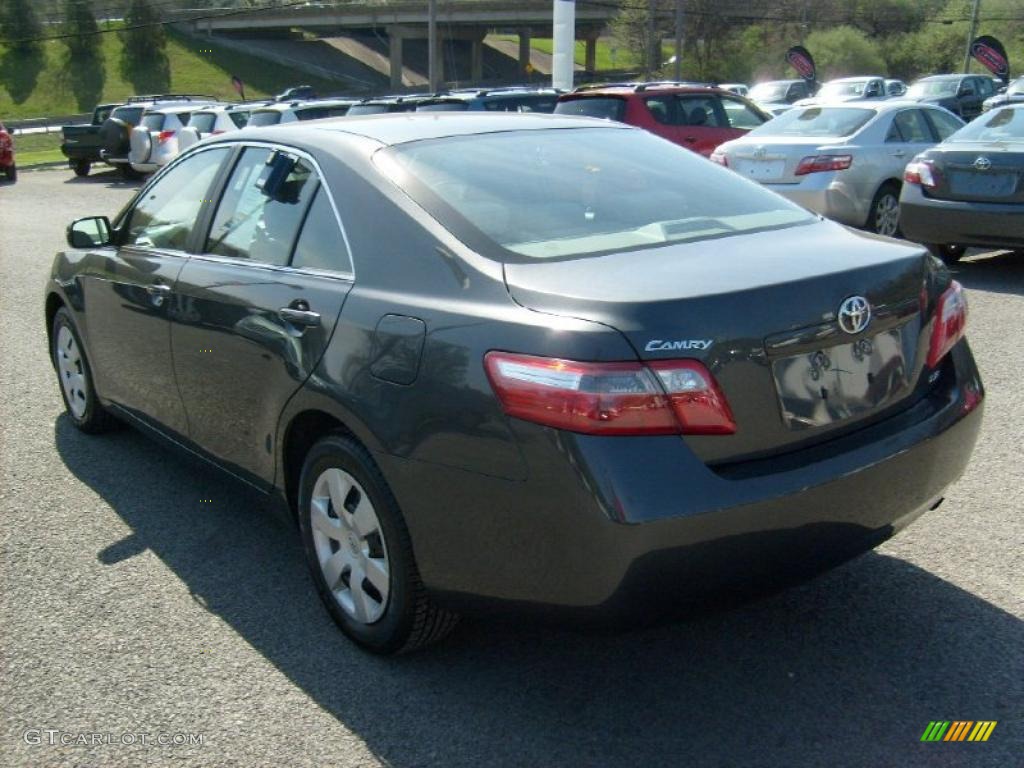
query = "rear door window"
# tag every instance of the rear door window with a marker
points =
(321, 244)
(249, 223)
(605, 108)
(911, 127)
(944, 123)
(701, 111)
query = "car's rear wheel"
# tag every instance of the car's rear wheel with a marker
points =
(949, 253)
(129, 173)
(885, 211)
(75, 377)
(360, 554)
(82, 167)
(11, 171)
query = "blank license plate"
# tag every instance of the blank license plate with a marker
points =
(761, 170)
(840, 382)
(984, 184)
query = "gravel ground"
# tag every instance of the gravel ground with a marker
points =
(130, 607)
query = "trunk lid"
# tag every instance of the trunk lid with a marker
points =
(775, 160)
(981, 173)
(760, 311)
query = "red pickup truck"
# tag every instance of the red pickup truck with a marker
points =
(7, 155)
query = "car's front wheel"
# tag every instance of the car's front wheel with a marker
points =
(360, 553)
(75, 377)
(82, 167)
(11, 171)
(885, 211)
(950, 254)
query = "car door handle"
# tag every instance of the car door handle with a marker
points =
(158, 293)
(899, 153)
(299, 316)
(689, 138)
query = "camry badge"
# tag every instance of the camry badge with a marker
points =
(760, 153)
(982, 163)
(854, 314)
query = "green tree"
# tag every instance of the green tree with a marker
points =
(19, 24)
(80, 22)
(843, 50)
(144, 55)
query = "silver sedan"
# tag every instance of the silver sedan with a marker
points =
(844, 161)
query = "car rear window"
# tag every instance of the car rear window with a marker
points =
(128, 114)
(203, 121)
(592, 106)
(1000, 125)
(270, 117)
(154, 121)
(239, 118)
(816, 121)
(543, 194)
(368, 109)
(443, 106)
(316, 113)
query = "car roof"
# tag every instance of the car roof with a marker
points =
(178, 109)
(403, 127)
(627, 89)
(856, 79)
(943, 77)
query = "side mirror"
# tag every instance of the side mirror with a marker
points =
(89, 233)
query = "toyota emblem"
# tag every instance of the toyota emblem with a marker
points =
(982, 163)
(854, 314)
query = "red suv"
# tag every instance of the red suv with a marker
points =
(7, 155)
(698, 117)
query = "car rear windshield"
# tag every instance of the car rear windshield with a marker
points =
(607, 109)
(270, 117)
(542, 194)
(316, 113)
(816, 121)
(443, 106)
(369, 109)
(202, 121)
(1000, 125)
(153, 121)
(130, 115)
(837, 89)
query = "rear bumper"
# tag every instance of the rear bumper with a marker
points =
(826, 194)
(948, 222)
(625, 527)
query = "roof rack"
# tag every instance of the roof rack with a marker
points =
(170, 97)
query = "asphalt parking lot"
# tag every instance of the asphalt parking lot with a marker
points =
(142, 593)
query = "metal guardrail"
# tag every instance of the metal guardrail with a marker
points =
(45, 124)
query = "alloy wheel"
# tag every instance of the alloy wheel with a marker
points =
(350, 545)
(887, 215)
(72, 372)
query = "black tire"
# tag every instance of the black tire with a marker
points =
(81, 167)
(94, 418)
(888, 195)
(410, 619)
(128, 173)
(949, 253)
(11, 171)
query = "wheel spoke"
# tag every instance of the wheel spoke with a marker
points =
(332, 529)
(76, 382)
(377, 574)
(360, 600)
(363, 519)
(339, 486)
(334, 566)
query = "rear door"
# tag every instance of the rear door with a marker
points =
(129, 296)
(257, 306)
(909, 134)
(694, 121)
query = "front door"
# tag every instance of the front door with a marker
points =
(257, 307)
(129, 293)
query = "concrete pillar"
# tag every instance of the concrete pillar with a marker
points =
(524, 52)
(591, 60)
(476, 57)
(395, 51)
(440, 60)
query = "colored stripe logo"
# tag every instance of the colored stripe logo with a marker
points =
(958, 730)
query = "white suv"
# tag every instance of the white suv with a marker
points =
(300, 110)
(214, 120)
(154, 141)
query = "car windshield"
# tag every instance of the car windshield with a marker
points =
(269, 117)
(837, 89)
(833, 122)
(607, 109)
(930, 88)
(202, 121)
(1001, 125)
(543, 194)
(768, 92)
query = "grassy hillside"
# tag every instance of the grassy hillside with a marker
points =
(53, 85)
(622, 58)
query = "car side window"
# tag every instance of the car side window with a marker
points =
(967, 88)
(984, 86)
(740, 115)
(320, 244)
(699, 111)
(249, 224)
(165, 213)
(944, 123)
(796, 91)
(912, 127)
(662, 109)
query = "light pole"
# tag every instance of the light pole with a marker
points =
(679, 40)
(433, 71)
(971, 34)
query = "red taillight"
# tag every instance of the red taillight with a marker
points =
(921, 172)
(663, 398)
(164, 136)
(950, 323)
(720, 159)
(820, 163)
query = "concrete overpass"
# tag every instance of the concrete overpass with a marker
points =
(399, 20)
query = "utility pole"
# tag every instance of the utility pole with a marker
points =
(679, 40)
(653, 46)
(971, 34)
(432, 62)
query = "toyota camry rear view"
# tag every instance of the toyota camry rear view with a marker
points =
(518, 362)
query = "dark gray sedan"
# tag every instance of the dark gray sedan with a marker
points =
(545, 364)
(969, 190)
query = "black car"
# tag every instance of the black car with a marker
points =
(547, 364)
(969, 190)
(1012, 94)
(962, 95)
